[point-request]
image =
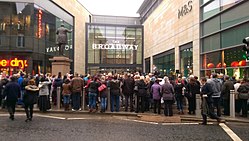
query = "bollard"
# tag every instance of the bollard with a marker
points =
(198, 105)
(83, 99)
(232, 103)
(109, 99)
(58, 97)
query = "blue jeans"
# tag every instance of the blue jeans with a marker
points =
(103, 103)
(179, 103)
(92, 100)
(114, 99)
(76, 100)
(66, 99)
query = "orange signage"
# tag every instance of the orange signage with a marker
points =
(39, 23)
(14, 63)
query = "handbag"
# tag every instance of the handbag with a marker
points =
(243, 95)
(101, 87)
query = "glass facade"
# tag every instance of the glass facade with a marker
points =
(165, 63)
(114, 48)
(28, 32)
(225, 24)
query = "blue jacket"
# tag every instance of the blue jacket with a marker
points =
(12, 91)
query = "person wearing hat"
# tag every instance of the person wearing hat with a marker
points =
(11, 92)
(30, 98)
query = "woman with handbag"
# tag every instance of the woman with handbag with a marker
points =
(103, 94)
(243, 96)
(30, 98)
(168, 97)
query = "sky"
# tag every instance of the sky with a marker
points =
(113, 7)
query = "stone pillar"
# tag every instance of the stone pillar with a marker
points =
(60, 64)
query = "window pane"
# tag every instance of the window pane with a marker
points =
(228, 3)
(236, 15)
(211, 43)
(211, 26)
(234, 54)
(204, 1)
(209, 61)
(211, 9)
(234, 36)
(186, 62)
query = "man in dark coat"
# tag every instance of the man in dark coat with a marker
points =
(207, 102)
(225, 92)
(62, 38)
(128, 90)
(11, 92)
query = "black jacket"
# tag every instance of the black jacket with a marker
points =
(142, 88)
(207, 90)
(115, 87)
(128, 86)
(30, 97)
(11, 91)
(225, 91)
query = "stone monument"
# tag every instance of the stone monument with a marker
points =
(61, 63)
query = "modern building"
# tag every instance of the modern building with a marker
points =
(171, 36)
(224, 24)
(195, 36)
(114, 44)
(28, 34)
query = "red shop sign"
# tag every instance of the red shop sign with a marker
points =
(14, 63)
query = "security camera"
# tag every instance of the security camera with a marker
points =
(246, 41)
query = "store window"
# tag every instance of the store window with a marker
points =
(186, 59)
(211, 62)
(165, 63)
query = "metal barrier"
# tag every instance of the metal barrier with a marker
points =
(58, 97)
(109, 99)
(232, 103)
(198, 105)
(83, 99)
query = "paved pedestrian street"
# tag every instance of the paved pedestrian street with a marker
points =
(87, 127)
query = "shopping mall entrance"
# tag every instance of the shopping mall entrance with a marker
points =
(113, 70)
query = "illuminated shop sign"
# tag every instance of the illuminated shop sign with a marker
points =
(185, 9)
(115, 46)
(56, 49)
(14, 63)
(39, 34)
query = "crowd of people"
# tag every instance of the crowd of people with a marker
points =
(136, 92)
